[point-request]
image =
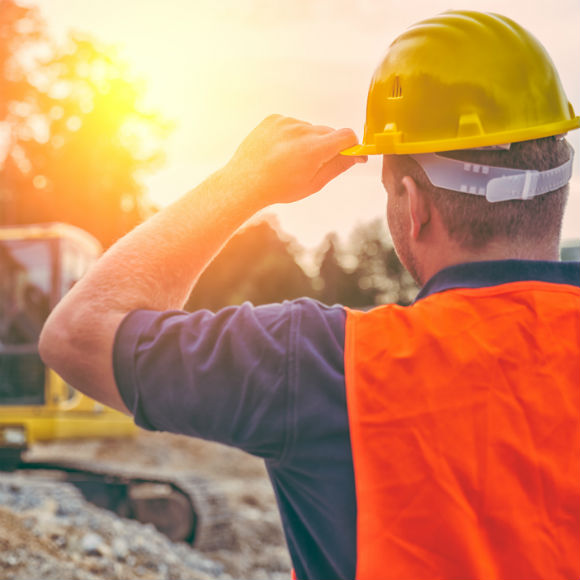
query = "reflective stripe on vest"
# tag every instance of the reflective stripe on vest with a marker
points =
(464, 413)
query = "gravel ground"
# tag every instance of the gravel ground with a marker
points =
(48, 531)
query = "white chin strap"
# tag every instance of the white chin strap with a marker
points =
(495, 183)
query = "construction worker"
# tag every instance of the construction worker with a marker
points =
(438, 440)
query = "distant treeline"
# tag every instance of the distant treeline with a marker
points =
(260, 265)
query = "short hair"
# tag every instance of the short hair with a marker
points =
(474, 222)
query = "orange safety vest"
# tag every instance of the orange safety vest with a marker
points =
(464, 413)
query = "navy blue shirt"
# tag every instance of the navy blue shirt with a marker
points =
(270, 380)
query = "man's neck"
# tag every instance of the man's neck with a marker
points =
(437, 258)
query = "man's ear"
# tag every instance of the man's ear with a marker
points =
(419, 207)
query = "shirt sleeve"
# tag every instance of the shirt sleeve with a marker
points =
(222, 376)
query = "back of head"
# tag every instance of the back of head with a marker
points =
(474, 222)
(479, 88)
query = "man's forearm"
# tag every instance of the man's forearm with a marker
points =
(156, 265)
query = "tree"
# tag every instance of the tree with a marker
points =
(364, 273)
(257, 265)
(336, 283)
(378, 269)
(20, 28)
(85, 142)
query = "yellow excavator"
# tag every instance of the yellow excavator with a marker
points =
(38, 265)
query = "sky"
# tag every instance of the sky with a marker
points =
(218, 67)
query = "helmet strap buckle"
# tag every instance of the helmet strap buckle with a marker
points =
(495, 183)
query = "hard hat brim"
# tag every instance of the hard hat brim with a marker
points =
(360, 150)
(392, 144)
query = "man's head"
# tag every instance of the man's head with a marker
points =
(471, 222)
(477, 88)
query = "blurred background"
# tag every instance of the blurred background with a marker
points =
(111, 110)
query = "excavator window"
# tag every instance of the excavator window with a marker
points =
(26, 284)
(75, 261)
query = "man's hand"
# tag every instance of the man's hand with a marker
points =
(284, 160)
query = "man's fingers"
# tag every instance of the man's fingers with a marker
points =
(322, 129)
(337, 165)
(332, 143)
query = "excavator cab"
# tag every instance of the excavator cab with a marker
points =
(38, 265)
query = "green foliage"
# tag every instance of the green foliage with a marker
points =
(336, 284)
(20, 27)
(380, 274)
(83, 142)
(366, 272)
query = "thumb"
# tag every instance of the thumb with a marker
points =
(332, 169)
(336, 141)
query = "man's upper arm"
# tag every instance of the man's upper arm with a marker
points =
(216, 376)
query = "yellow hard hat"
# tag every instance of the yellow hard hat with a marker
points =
(461, 80)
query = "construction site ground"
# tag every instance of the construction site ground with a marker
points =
(48, 531)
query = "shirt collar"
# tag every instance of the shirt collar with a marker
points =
(494, 273)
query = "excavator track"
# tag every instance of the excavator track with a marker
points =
(184, 507)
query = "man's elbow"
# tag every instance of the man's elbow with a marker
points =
(66, 344)
(78, 346)
(55, 343)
